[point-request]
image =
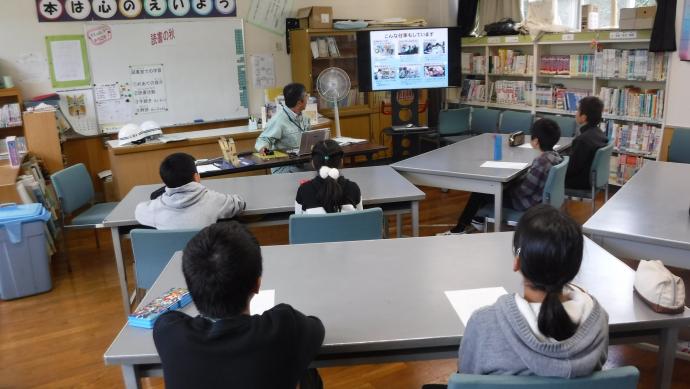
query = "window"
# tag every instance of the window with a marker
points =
(609, 19)
(563, 12)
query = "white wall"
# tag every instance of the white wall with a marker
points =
(21, 34)
(679, 82)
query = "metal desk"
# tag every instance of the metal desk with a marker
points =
(458, 166)
(383, 300)
(273, 196)
(648, 217)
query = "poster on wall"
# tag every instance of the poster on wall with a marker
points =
(270, 14)
(148, 88)
(684, 51)
(87, 10)
(79, 108)
(67, 61)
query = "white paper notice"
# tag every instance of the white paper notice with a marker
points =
(465, 302)
(68, 63)
(79, 108)
(148, 88)
(211, 168)
(262, 302)
(264, 71)
(114, 112)
(106, 92)
(505, 165)
(270, 14)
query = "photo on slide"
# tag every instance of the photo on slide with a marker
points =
(408, 47)
(434, 70)
(409, 72)
(384, 48)
(384, 73)
(434, 47)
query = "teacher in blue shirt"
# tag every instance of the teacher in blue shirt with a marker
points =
(284, 130)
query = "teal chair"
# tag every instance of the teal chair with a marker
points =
(336, 227)
(554, 195)
(512, 121)
(598, 177)
(484, 120)
(153, 249)
(453, 126)
(567, 124)
(679, 149)
(75, 194)
(619, 378)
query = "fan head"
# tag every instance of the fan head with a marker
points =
(333, 84)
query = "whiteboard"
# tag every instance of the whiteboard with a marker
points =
(172, 72)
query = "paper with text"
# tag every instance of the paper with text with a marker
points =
(262, 302)
(465, 302)
(505, 165)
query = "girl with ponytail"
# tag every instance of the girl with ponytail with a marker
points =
(329, 191)
(554, 329)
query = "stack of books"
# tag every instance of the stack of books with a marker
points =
(10, 115)
(640, 139)
(576, 65)
(623, 167)
(473, 63)
(513, 92)
(473, 90)
(511, 62)
(559, 97)
(631, 65)
(633, 102)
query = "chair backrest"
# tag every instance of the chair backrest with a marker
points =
(620, 378)
(601, 165)
(454, 121)
(337, 227)
(679, 149)
(567, 124)
(512, 121)
(484, 120)
(554, 188)
(153, 249)
(73, 187)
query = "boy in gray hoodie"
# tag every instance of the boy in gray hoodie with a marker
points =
(555, 329)
(186, 203)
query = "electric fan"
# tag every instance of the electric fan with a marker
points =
(333, 84)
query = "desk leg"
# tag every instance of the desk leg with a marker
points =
(415, 218)
(130, 374)
(121, 273)
(666, 357)
(498, 209)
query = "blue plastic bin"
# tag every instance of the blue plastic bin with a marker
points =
(24, 262)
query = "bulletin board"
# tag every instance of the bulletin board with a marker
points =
(172, 72)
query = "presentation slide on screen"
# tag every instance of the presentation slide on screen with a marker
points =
(409, 59)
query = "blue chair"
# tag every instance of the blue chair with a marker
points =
(567, 124)
(625, 377)
(554, 195)
(483, 120)
(598, 177)
(512, 121)
(679, 149)
(336, 227)
(453, 126)
(153, 249)
(75, 194)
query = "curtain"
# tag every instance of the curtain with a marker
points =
(494, 10)
(664, 30)
(467, 16)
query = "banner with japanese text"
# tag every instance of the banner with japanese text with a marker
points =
(88, 10)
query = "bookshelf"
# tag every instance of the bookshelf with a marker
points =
(11, 107)
(549, 75)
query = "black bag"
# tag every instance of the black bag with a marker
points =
(502, 27)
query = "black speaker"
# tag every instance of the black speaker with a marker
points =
(290, 24)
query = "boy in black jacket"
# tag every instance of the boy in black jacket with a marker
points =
(586, 144)
(225, 347)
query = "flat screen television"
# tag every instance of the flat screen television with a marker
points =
(416, 58)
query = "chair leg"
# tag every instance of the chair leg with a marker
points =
(386, 233)
(594, 199)
(606, 192)
(98, 242)
(65, 250)
(398, 225)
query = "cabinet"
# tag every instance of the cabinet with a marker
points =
(10, 119)
(550, 74)
(43, 138)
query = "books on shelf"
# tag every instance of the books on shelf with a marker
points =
(473, 63)
(512, 92)
(511, 62)
(10, 115)
(638, 64)
(473, 90)
(325, 47)
(633, 102)
(575, 65)
(559, 97)
(639, 139)
(623, 167)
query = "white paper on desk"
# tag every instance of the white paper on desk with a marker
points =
(505, 165)
(529, 146)
(265, 300)
(466, 301)
(207, 168)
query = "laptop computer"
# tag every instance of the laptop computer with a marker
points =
(309, 139)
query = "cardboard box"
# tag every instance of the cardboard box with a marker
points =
(641, 18)
(590, 17)
(315, 17)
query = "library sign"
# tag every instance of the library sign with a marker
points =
(86, 10)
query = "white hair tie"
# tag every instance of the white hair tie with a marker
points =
(326, 171)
